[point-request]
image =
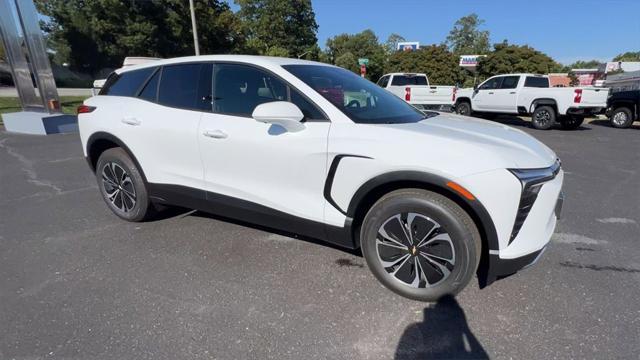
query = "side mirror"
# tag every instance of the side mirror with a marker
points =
(282, 113)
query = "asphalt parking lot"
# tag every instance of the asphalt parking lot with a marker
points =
(77, 282)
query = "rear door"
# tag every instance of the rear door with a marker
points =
(262, 166)
(160, 123)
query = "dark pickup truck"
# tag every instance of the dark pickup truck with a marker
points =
(623, 108)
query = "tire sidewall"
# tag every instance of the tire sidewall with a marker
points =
(466, 105)
(118, 156)
(466, 257)
(547, 125)
(627, 123)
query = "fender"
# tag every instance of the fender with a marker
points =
(437, 183)
(101, 135)
(542, 101)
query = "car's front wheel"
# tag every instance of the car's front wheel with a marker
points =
(122, 186)
(420, 244)
(621, 118)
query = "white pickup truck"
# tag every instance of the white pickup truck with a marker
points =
(529, 94)
(416, 90)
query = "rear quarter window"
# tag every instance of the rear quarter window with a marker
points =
(127, 83)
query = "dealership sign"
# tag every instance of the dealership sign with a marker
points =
(408, 46)
(470, 61)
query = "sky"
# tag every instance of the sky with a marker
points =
(567, 30)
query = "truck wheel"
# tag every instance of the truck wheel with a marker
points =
(463, 108)
(571, 122)
(420, 244)
(543, 117)
(621, 118)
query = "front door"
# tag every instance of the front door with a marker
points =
(260, 166)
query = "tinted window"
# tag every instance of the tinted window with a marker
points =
(491, 84)
(510, 82)
(403, 80)
(309, 110)
(536, 82)
(239, 89)
(127, 83)
(361, 100)
(383, 81)
(150, 90)
(186, 86)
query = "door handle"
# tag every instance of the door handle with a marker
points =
(490, 92)
(131, 121)
(513, 92)
(216, 134)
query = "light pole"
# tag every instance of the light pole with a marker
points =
(194, 28)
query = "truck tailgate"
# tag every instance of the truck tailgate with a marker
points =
(594, 97)
(432, 95)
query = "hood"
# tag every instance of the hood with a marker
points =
(516, 148)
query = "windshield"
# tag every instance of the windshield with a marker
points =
(361, 100)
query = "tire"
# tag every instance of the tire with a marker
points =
(621, 118)
(571, 122)
(464, 108)
(454, 240)
(543, 117)
(122, 186)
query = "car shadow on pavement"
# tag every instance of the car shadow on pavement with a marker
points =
(607, 123)
(442, 334)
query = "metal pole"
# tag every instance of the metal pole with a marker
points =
(194, 28)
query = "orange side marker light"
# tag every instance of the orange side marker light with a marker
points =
(460, 190)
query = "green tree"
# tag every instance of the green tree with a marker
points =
(628, 56)
(345, 49)
(392, 43)
(591, 64)
(573, 79)
(440, 65)
(466, 38)
(507, 58)
(97, 34)
(289, 26)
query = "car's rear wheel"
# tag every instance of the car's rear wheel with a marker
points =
(571, 122)
(420, 244)
(122, 186)
(621, 118)
(543, 117)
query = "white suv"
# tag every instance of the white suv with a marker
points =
(315, 150)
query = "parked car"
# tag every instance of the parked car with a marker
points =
(416, 90)
(529, 94)
(315, 150)
(623, 108)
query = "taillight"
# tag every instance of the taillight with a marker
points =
(407, 94)
(578, 96)
(453, 97)
(83, 109)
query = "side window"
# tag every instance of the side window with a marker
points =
(186, 86)
(309, 110)
(127, 83)
(239, 89)
(536, 82)
(492, 84)
(384, 81)
(150, 91)
(510, 82)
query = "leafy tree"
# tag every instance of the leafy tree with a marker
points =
(591, 64)
(289, 26)
(507, 58)
(466, 38)
(97, 34)
(628, 56)
(345, 49)
(392, 42)
(440, 65)
(573, 79)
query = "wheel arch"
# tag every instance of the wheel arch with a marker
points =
(101, 141)
(543, 101)
(377, 187)
(629, 104)
(463, 99)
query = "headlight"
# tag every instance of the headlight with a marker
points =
(531, 180)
